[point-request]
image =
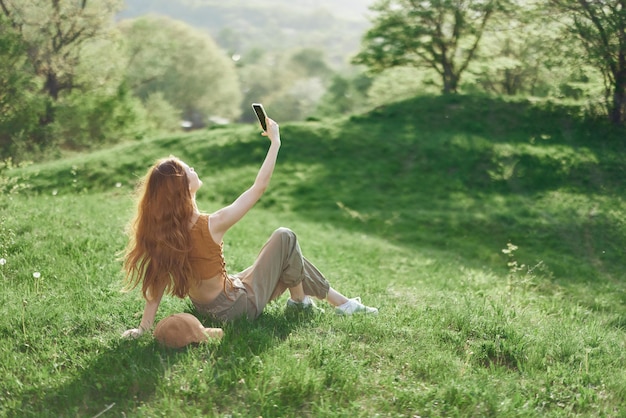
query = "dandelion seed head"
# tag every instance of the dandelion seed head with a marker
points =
(54, 192)
(118, 184)
(36, 275)
(3, 261)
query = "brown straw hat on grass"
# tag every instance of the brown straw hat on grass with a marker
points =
(182, 329)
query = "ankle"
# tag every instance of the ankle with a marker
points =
(343, 304)
(300, 299)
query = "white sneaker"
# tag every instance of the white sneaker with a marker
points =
(353, 306)
(306, 304)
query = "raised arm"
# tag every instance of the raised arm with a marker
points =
(226, 217)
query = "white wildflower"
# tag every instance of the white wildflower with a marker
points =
(36, 275)
(3, 261)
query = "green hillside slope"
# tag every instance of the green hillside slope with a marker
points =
(463, 174)
(409, 206)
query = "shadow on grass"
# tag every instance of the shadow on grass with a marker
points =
(123, 374)
(467, 175)
(129, 372)
(243, 338)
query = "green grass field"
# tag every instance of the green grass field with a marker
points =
(409, 206)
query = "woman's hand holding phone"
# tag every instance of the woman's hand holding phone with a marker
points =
(270, 128)
(272, 132)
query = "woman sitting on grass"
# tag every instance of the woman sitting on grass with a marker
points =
(176, 249)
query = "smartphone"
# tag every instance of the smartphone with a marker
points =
(260, 114)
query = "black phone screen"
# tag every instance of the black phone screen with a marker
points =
(260, 114)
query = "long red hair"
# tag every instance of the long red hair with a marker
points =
(157, 255)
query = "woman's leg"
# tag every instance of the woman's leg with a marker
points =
(297, 293)
(281, 266)
(278, 267)
(335, 298)
(345, 306)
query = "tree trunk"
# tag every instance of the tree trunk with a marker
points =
(618, 105)
(52, 86)
(619, 92)
(450, 79)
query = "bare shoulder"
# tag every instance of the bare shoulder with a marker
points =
(215, 225)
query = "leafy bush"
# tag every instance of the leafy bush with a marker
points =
(84, 120)
(20, 104)
(10, 183)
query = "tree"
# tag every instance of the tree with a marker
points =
(64, 84)
(346, 94)
(20, 104)
(183, 65)
(600, 25)
(55, 31)
(401, 83)
(524, 53)
(440, 34)
(290, 84)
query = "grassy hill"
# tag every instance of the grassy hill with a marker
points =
(410, 206)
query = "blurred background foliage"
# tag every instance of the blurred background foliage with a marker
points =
(81, 74)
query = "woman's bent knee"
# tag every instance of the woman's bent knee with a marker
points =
(283, 232)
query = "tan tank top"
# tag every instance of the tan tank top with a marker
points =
(207, 256)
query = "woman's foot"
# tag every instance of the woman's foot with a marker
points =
(353, 306)
(306, 304)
